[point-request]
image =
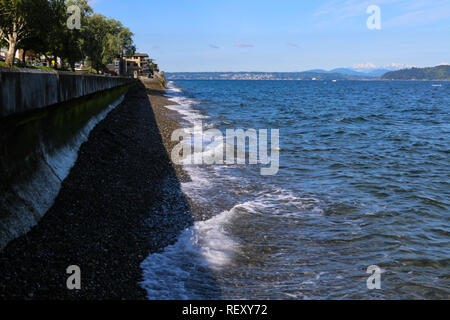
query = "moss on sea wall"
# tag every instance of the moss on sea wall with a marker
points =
(38, 149)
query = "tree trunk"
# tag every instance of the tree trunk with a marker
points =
(10, 56)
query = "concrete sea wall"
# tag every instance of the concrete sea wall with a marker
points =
(28, 89)
(40, 139)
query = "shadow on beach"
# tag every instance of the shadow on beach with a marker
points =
(110, 214)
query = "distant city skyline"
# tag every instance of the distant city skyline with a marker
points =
(284, 36)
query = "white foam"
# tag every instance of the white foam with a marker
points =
(185, 270)
(172, 88)
(181, 271)
(292, 206)
(183, 105)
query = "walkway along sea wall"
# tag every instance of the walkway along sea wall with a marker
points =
(39, 143)
(27, 89)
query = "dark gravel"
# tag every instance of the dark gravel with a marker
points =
(105, 217)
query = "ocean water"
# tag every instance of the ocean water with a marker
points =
(363, 180)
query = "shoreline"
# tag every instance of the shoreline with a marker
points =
(106, 218)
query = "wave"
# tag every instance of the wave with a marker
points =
(184, 106)
(183, 270)
(351, 119)
(282, 203)
(172, 88)
(189, 269)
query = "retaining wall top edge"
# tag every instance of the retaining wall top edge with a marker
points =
(25, 70)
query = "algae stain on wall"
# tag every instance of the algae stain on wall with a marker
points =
(37, 151)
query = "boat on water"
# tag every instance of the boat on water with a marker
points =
(436, 85)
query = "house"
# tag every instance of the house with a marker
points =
(143, 62)
(123, 67)
(27, 56)
(135, 66)
(117, 67)
(133, 69)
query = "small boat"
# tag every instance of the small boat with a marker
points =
(334, 80)
(436, 85)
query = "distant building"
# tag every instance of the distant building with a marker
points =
(118, 67)
(123, 67)
(133, 69)
(27, 56)
(143, 62)
(135, 66)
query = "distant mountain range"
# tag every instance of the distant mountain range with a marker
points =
(441, 72)
(371, 73)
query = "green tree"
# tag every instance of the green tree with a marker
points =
(119, 41)
(69, 41)
(94, 35)
(104, 39)
(42, 26)
(39, 39)
(18, 19)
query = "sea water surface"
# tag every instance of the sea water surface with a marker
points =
(363, 180)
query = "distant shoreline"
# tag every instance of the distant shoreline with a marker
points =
(439, 73)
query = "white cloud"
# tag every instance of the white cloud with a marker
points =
(414, 12)
(344, 9)
(294, 45)
(243, 45)
(438, 11)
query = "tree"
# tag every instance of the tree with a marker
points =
(17, 20)
(119, 41)
(70, 45)
(94, 33)
(41, 26)
(105, 39)
(39, 39)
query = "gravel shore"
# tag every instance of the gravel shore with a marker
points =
(105, 219)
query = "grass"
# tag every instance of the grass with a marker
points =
(85, 71)
(39, 67)
(3, 64)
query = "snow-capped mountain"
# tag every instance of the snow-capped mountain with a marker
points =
(370, 67)
(366, 69)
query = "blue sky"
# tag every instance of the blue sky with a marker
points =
(283, 35)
